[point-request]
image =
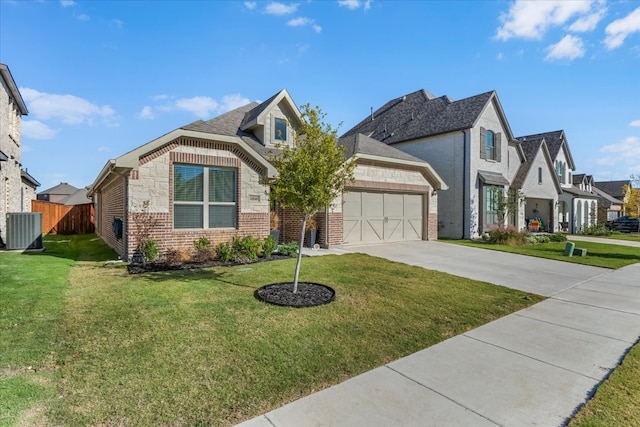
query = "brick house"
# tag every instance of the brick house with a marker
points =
(17, 186)
(208, 178)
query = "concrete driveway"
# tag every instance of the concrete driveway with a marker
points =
(530, 274)
(531, 368)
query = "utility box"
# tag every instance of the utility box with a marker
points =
(24, 230)
(568, 249)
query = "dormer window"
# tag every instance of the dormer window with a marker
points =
(280, 132)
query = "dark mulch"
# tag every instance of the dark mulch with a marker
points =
(308, 295)
(135, 268)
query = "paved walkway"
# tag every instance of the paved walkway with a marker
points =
(531, 368)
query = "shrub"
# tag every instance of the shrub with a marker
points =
(269, 246)
(508, 236)
(596, 230)
(288, 249)
(246, 248)
(149, 250)
(224, 253)
(203, 250)
(539, 238)
(558, 237)
(172, 257)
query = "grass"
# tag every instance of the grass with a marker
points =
(196, 347)
(617, 400)
(598, 254)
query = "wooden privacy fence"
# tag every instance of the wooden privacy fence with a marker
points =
(63, 219)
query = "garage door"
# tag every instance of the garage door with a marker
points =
(381, 217)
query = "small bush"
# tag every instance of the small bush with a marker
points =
(202, 244)
(246, 248)
(596, 230)
(224, 253)
(172, 257)
(288, 249)
(539, 238)
(149, 250)
(558, 237)
(508, 236)
(269, 246)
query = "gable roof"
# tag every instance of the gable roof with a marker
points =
(360, 146)
(419, 114)
(79, 197)
(613, 188)
(606, 199)
(13, 89)
(556, 140)
(256, 115)
(531, 148)
(63, 189)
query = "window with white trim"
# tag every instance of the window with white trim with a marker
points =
(491, 204)
(280, 127)
(204, 197)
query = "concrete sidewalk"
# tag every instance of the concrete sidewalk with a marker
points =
(531, 368)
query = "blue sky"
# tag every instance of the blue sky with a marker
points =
(103, 77)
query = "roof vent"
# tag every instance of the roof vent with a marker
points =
(412, 115)
(404, 98)
(371, 113)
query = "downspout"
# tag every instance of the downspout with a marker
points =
(326, 227)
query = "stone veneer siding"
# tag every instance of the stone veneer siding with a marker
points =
(153, 182)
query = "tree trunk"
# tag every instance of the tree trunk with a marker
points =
(295, 277)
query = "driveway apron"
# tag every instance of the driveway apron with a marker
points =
(535, 367)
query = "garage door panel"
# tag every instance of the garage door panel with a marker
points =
(370, 217)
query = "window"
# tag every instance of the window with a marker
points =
(193, 185)
(539, 175)
(280, 129)
(491, 204)
(490, 145)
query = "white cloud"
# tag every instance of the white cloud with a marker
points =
(532, 19)
(160, 97)
(104, 149)
(69, 109)
(83, 17)
(628, 150)
(230, 102)
(635, 123)
(355, 4)
(618, 30)
(500, 56)
(303, 22)
(147, 113)
(37, 130)
(201, 106)
(117, 23)
(570, 47)
(67, 3)
(250, 5)
(588, 22)
(275, 8)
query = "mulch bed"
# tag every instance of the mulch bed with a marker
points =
(308, 295)
(163, 266)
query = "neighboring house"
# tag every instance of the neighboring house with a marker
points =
(537, 179)
(619, 191)
(470, 145)
(17, 187)
(210, 178)
(584, 204)
(568, 212)
(58, 193)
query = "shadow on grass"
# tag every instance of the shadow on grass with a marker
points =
(191, 275)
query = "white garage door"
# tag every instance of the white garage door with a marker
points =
(381, 217)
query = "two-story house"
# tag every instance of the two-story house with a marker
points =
(17, 186)
(470, 145)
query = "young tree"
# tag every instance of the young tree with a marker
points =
(312, 173)
(632, 204)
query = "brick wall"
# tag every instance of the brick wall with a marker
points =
(111, 206)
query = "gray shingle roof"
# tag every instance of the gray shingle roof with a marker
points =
(420, 114)
(63, 189)
(362, 144)
(27, 176)
(77, 198)
(581, 193)
(553, 139)
(605, 198)
(255, 112)
(613, 188)
(530, 147)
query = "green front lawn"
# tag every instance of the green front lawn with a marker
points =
(196, 347)
(598, 254)
(632, 237)
(617, 400)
